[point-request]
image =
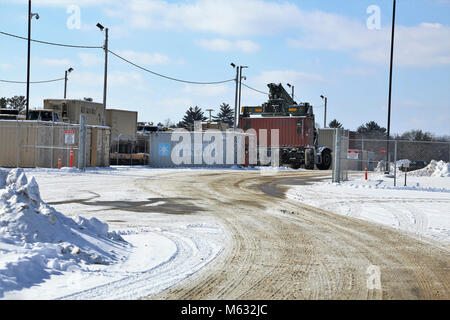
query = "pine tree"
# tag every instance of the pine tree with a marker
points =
(3, 103)
(225, 115)
(17, 103)
(335, 124)
(192, 115)
(371, 129)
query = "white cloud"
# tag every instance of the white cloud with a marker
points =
(116, 78)
(247, 46)
(65, 63)
(287, 76)
(90, 60)
(218, 44)
(207, 91)
(144, 58)
(6, 66)
(420, 46)
(225, 17)
(425, 45)
(61, 3)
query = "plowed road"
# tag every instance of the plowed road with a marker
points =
(281, 249)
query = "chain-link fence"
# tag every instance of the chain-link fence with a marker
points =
(373, 155)
(36, 144)
(127, 150)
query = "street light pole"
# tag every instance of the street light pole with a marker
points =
(105, 87)
(28, 59)
(292, 87)
(390, 90)
(105, 78)
(210, 110)
(240, 91)
(65, 81)
(236, 95)
(65, 85)
(30, 17)
(325, 111)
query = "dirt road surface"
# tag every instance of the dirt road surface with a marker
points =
(281, 249)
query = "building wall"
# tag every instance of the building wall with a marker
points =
(31, 144)
(122, 123)
(92, 110)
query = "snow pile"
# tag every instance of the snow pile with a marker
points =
(37, 241)
(434, 169)
(381, 166)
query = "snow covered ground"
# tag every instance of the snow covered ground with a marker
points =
(422, 208)
(146, 251)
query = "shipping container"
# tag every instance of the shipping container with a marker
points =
(122, 122)
(69, 111)
(293, 131)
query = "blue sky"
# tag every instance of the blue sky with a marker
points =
(322, 47)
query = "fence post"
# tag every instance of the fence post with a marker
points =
(82, 143)
(35, 145)
(337, 156)
(395, 164)
(53, 142)
(18, 144)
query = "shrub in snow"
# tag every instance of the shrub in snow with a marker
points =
(35, 239)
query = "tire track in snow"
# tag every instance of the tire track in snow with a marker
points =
(192, 254)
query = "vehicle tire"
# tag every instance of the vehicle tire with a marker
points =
(310, 166)
(326, 160)
(295, 165)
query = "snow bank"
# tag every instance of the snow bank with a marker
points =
(420, 209)
(434, 169)
(37, 241)
(381, 166)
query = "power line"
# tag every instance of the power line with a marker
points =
(167, 77)
(265, 93)
(34, 82)
(51, 43)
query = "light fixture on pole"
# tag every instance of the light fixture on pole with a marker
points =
(65, 81)
(325, 112)
(240, 91)
(387, 170)
(292, 87)
(210, 110)
(30, 17)
(236, 95)
(105, 79)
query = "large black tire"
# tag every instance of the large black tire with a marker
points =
(326, 160)
(310, 166)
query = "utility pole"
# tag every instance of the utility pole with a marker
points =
(390, 90)
(65, 82)
(65, 85)
(30, 17)
(325, 111)
(236, 95)
(240, 91)
(28, 60)
(292, 87)
(210, 110)
(105, 79)
(105, 87)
